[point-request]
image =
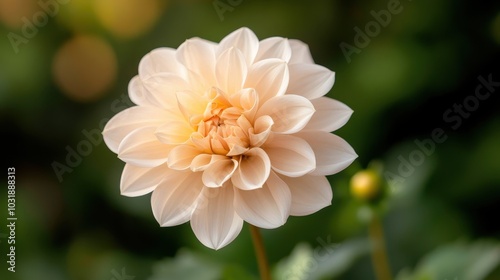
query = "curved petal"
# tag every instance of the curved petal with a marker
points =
(142, 148)
(218, 172)
(174, 132)
(333, 154)
(290, 155)
(268, 207)
(290, 113)
(231, 71)
(300, 52)
(309, 194)
(330, 115)
(310, 80)
(214, 222)
(130, 119)
(138, 93)
(175, 198)
(182, 156)
(203, 161)
(137, 181)
(162, 88)
(268, 77)
(253, 171)
(243, 39)
(274, 47)
(261, 130)
(158, 61)
(198, 56)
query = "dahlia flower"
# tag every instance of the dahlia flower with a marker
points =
(230, 132)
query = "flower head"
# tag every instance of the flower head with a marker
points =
(230, 132)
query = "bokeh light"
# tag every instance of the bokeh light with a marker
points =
(84, 68)
(12, 12)
(127, 18)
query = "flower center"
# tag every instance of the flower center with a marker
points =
(223, 129)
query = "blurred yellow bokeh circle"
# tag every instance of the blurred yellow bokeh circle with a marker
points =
(12, 12)
(84, 68)
(127, 18)
(366, 185)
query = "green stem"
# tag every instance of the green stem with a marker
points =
(260, 253)
(379, 254)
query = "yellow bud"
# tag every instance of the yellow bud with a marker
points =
(366, 185)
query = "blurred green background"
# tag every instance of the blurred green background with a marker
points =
(64, 71)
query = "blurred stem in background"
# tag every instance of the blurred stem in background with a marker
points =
(379, 254)
(367, 187)
(260, 253)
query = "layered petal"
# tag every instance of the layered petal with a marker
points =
(161, 88)
(218, 172)
(309, 194)
(330, 115)
(274, 47)
(174, 132)
(160, 60)
(175, 198)
(198, 56)
(231, 71)
(310, 80)
(333, 154)
(267, 207)
(130, 119)
(290, 155)
(215, 222)
(300, 52)
(253, 171)
(290, 113)
(182, 156)
(268, 77)
(142, 148)
(137, 181)
(243, 39)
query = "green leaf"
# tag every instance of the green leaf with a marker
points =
(457, 261)
(325, 260)
(187, 266)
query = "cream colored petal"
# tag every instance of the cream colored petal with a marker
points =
(274, 47)
(190, 104)
(253, 171)
(310, 80)
(290, 112)
(181, 157)
(309, 194)
(130, 119)
(330, 115)
(268, 207)
(300, 52)
(174, 132)
(261, 131)
(333, 154)
(142, 148)
(214, 222)
(137, 181)
(159, 60)
(243, 39)
(138, 93)
(202, 161)
(198, 56)
(269, 78)
(163, 87)
(176, 197)
(230, 71)
(218, 172)
(290, 155)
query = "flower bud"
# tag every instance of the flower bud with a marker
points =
(366, 185)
